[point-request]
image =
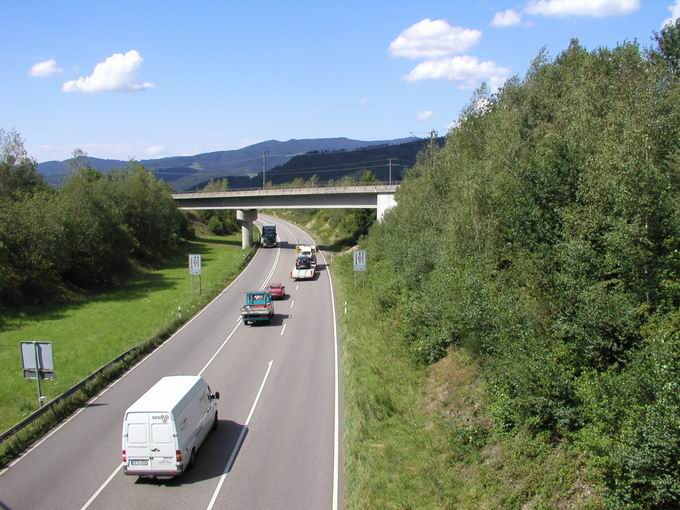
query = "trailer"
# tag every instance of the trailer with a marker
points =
(304, 269)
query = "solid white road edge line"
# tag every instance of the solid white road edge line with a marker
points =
(336, 432)
(112, 475)
(93, 399)
(101, 488)
(232, 457)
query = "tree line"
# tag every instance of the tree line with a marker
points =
(83, 234)
(544, 238)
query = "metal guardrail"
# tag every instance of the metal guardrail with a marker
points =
(18, 427)
(284, 190)
(60, 398)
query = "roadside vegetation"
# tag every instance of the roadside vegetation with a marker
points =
(516, 343)
(97, 267)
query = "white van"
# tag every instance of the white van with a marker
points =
(164, 428)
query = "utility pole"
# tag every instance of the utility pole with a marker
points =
(433, 135)
(390, 160)
(264, 168)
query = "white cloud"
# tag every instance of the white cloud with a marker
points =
(425, 114)
(433, 39)
(117, 73)
(45, 68)
(675, 13)
(467, 70)
(593, 8)
(155, 150)
(506, 18)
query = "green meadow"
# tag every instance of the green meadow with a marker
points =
(89, 333)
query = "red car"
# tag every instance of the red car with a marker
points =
(277, 290)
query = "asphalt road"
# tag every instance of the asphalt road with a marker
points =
(277, 441)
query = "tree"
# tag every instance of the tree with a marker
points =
(668, 42)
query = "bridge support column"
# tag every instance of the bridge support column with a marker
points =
(245, 218)
(386, 202)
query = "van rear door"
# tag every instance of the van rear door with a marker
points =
(162, 443)
(137, 441)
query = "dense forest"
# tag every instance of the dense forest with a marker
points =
(82, 235)
(544, 240)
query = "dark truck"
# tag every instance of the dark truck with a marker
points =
(258, 308)
(269, 236)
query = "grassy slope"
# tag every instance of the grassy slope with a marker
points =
(421, 437)
(89, 334)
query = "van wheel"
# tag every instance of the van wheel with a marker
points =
(215, 422)
(192, 459)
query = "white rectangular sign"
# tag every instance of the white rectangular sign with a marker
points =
(360, 260)
(194, 264)
(36, 358)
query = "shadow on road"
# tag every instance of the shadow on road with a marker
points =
(211, 458)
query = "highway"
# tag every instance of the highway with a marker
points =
(277, 444)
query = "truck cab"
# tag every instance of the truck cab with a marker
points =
(268, 236)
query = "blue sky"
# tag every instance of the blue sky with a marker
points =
(178, 78)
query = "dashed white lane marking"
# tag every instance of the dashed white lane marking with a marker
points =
(101, 488)
(93, 399)
(112, 475)
(283, 329)
(336, 433)
(240, 439)
(292, 303)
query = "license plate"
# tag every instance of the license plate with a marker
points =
(139, 462)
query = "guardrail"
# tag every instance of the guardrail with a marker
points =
(52, 403)
(283, 189)
(49, 406)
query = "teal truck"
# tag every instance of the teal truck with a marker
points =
(259, 307)
(269, 236)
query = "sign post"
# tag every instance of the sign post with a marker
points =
(37, 362)
(195, 270)
(359, 263)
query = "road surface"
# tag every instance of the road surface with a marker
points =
(277, 441)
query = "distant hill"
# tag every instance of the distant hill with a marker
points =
(184, 172)
(334, 165)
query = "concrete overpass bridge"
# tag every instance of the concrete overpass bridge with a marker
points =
(247, 202)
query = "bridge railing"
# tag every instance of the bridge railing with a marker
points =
(302, 189)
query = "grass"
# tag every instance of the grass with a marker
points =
(419, 437)
(88, 334)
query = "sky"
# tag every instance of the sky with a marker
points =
(153, 79)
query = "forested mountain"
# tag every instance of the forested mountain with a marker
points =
(335, 165)
(187, 171)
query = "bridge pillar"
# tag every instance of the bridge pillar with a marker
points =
(386, 202)
(245, 218)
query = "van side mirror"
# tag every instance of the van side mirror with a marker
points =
(215, 395)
